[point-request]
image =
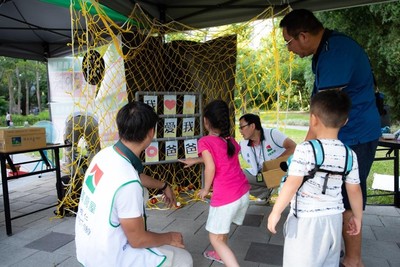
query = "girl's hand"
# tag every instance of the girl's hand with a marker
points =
(203, 193)
(188, 162)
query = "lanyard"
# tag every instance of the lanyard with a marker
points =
(136, 163)
(259, 164)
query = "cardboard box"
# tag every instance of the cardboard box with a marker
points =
(272, 172)
(22, 138)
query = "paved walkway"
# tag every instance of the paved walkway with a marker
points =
(41, 239)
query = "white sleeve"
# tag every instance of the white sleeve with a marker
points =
(278, 137)
(353, 177)
(128, 201)
(300, 164)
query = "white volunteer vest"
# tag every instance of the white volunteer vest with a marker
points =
(100, 240)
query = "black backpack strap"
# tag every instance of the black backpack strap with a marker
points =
(348, 165)
(319, 157)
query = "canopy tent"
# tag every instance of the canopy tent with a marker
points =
(208, 13)
(41, 29)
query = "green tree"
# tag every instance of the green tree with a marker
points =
(3, 106)
(23, 83)
(377, 29)
(7, 79)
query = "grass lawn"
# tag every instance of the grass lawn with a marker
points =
(301, 119)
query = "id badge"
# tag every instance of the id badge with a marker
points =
(259, 178)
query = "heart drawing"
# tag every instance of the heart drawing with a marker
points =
(170, 104)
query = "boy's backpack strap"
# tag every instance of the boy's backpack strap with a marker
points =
(319, 157)
(318, 150)
(349, 161)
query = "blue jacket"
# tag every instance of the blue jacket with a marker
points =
(342, 63)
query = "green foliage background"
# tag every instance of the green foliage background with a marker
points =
(377, 29)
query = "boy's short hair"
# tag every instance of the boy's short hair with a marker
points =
(332, 107)
(135, 120)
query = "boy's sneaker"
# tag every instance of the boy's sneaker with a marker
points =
(212, 255)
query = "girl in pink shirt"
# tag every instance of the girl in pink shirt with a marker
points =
(230, 189)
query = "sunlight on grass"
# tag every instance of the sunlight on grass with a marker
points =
(380, 167)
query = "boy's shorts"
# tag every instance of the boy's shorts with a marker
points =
(314, 241)
(220, 218)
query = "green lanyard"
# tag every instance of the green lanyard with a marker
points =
(136, 163)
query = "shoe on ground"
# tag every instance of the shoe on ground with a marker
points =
(212, 255)
(266, 194)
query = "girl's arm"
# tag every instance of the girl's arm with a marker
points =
(189, 162)
(209, 173)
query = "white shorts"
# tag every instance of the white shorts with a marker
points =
(220, 218)
(176, 257)
(312, 241)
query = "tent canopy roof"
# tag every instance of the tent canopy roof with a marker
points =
(37, 29)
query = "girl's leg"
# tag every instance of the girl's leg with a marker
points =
(220, 244)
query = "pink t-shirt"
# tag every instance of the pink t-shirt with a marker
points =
(229, 182)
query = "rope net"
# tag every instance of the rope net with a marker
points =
(177, 70)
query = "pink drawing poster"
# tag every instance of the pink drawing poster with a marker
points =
(169, 104)
(151, 152)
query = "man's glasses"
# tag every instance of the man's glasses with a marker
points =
(295, 37)
(288, 42)
(242, 126)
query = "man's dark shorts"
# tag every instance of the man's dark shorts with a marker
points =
(365, 157)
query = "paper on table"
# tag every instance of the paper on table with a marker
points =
(383, 182)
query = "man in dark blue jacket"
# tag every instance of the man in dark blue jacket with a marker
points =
(340, 62)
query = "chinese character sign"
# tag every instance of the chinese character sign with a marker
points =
(191, 148)
(171, 150)
(170, 126)
(178, 130)
(151, 100)
(188, 126)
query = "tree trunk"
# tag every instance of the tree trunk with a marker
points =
(18, 111)
(27, 96)
(38, 88)
(10, 93)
